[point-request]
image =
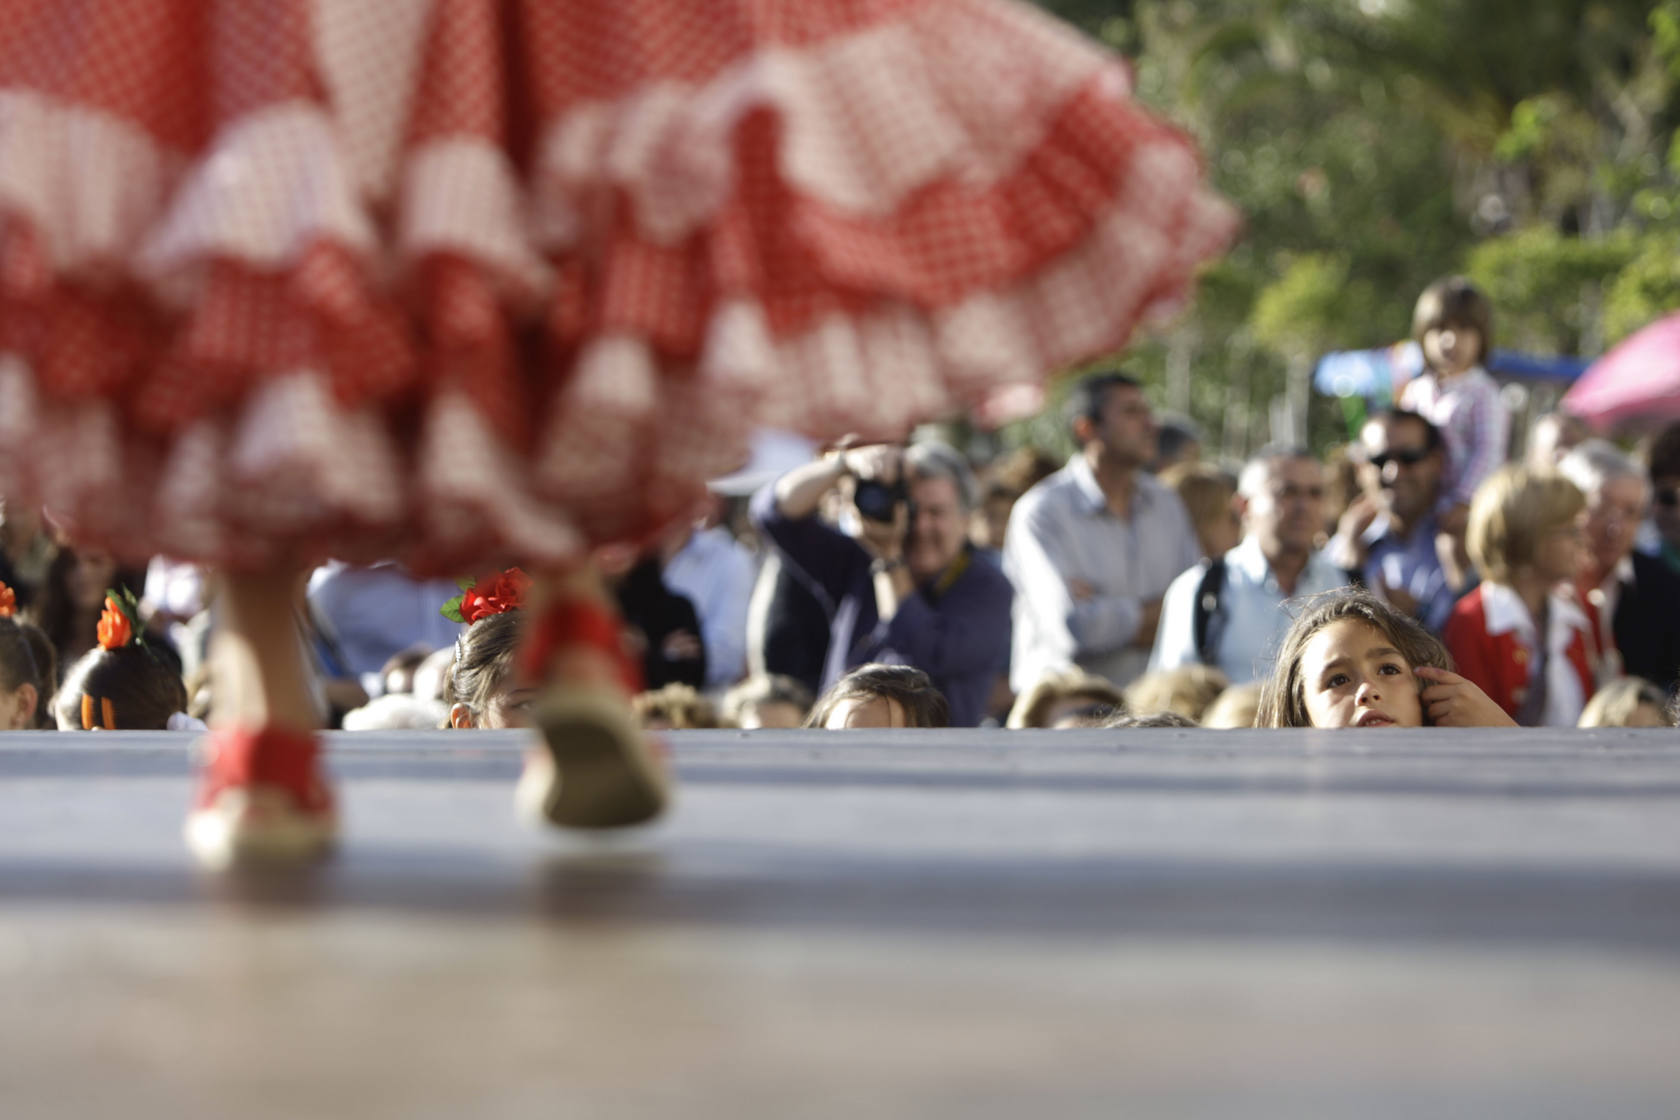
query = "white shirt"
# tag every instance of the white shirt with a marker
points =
(1060, 531)
(1504, 610)
(1254, 607)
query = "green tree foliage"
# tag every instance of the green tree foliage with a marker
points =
(1546, 285)
(1646, 288)
(1375, 145)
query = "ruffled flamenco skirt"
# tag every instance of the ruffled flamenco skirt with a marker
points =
(465, 281)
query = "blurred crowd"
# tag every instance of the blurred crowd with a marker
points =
(1139, 583)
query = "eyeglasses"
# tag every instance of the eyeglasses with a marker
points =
(1410, 457)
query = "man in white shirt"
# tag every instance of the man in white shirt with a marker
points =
(1092, 548)
(1234, 620)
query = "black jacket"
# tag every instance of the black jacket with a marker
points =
(656, 613)
(1647, 623)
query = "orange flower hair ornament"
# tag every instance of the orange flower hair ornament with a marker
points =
(119, 621)
(504, 593)
(119, 627)
(8, 601)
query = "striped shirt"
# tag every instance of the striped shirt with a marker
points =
(1474, 422)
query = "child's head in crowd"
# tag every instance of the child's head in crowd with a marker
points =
(129, 688)
(1187, 690)
(1234, 708)
(399, 669)
(767, 701)
(1628, 702)
(25, 685)
(880, 696)
(1349, 660)
(479, 687)
(676, 707)
(1453, 323)
(1069, 698)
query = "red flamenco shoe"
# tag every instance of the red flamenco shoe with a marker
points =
(594, 768)
(263, 800)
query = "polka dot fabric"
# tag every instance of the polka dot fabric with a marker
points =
(463, 282)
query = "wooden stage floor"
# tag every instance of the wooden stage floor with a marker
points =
(922, 924)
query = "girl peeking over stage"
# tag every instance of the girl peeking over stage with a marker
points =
(1351, 660)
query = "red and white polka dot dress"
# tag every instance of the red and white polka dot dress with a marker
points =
(461, 281)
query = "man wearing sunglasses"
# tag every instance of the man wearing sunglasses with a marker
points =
(1390, 533)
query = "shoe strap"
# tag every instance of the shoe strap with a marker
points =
(272, 756)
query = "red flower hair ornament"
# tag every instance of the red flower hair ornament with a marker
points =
(481, 600)
(8, 601)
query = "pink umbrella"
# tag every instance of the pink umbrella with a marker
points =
(1635, 384)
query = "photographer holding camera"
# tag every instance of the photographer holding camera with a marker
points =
(898, 577)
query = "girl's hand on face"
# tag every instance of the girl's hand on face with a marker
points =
(1451, 701)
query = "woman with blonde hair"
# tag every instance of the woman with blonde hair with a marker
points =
(1521, 636)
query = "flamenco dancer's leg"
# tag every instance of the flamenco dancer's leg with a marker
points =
(263, 797)
(592, 766)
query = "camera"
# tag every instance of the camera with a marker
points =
(876, 500)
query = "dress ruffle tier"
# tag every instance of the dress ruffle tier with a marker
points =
(460, 281)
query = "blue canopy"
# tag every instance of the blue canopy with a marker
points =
(1375, 374)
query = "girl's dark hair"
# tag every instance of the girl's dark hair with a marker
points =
(483, 661)
(20, 664)
(125, 689)
(1283, 694)
(911, 689)
(1457, 303)
(46, 668)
